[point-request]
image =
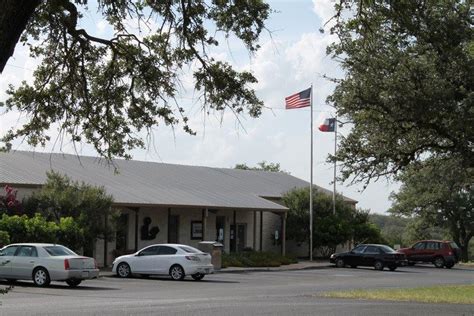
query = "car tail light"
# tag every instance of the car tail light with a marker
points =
(66, 264)
(192, 258)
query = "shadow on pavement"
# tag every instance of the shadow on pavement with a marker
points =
(167, 279)
(57, 285)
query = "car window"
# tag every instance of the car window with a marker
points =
(419, 246)
(387, 249)
(56, 251)
(189, 249)
(165, 250)
(432, 245)
(150, 251)
(27, 251)
(358, 249)
(371, 250)
(9, 251)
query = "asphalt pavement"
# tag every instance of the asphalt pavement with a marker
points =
(288, 290)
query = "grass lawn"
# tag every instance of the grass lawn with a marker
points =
(456, 294)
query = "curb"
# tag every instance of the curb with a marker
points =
(109, 273)
(244, 270)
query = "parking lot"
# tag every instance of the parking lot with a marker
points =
(245, 293)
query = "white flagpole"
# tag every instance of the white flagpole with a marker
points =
(311, 187)
(335, 149)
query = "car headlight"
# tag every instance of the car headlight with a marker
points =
(333, 256)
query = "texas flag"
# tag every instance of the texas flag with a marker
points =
(329, 125)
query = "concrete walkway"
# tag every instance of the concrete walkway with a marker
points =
(301, 265)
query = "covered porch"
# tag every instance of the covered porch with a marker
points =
(238, 229)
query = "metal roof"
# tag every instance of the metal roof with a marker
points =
(149, 183)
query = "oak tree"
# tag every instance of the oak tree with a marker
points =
(408, 84)
(106, 90)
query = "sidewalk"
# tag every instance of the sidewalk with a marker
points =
(301, 265)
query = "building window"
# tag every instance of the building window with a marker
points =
(196, 230)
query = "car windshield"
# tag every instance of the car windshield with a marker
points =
(189, 249)
(58, 251)
(386, 248)
(453, 245)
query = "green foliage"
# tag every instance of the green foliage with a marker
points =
(60, 198)
(18, 229)
(263, 165)
(70, 233)
(329, 229)
(439, 192)
(25, 229)
(408, 84)
(104, 91)
(255, 259)
(4, 238)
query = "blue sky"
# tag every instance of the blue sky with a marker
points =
(290, 60)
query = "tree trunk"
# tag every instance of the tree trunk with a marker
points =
(14, 16)
(464, 245)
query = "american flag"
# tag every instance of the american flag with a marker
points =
(299, 100)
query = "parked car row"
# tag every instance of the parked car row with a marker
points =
(440, 253)
(44, 263)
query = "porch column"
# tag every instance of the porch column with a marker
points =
(283, 234)
(261, 230)
(136, 209)
(255, 230)
(106, 237)
(235, 231)
(204, 223)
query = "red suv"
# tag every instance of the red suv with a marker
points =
(441, 253)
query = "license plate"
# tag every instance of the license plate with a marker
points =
(85, 274)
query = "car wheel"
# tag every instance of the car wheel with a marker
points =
(378, 265)
(41, 277)
(438, 262)
(411, 263)
(177, 272)
(73, 282)
(197, 276)
(123, 270)
(340, 263)
(449, 265)
(392, 268)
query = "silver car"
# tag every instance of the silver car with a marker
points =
(175, 260)
(44, 263)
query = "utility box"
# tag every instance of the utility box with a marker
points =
(213, 248)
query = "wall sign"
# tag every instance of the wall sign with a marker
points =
(196, 230)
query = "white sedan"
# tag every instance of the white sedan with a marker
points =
(44, 263)
(174, 260)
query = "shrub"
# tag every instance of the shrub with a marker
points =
(4, 238)
(255, 259)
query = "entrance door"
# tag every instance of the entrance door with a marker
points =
(122, 234)
(220, 228)
(241, 237)
(173, 229)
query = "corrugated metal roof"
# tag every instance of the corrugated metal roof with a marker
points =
(151, 183)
